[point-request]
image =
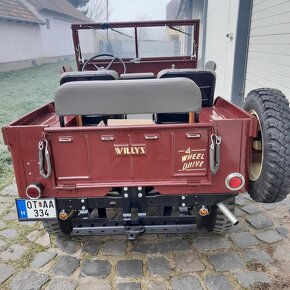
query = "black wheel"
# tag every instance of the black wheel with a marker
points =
(269, 166)
(57, 228)
(216, 221)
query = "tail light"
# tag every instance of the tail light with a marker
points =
(34, 190)
(235, 181)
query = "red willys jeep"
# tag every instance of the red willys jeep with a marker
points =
(90, 164)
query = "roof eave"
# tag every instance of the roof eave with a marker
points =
(19, 19)
(67, 16)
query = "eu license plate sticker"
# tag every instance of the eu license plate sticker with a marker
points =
(36, 209)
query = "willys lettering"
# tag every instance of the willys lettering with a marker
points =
(130, 150)
(192, 159)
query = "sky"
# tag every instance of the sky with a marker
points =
(129, 10)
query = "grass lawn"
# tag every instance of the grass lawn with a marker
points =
(20, 92)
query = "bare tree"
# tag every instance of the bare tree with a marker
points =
(78, 3)
(97, 10)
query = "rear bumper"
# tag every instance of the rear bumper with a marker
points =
(134, 199)
(140, 200)
(132, 212)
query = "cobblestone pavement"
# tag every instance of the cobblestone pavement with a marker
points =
(254, 255)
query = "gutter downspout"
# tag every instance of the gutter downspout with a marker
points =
(241, 51)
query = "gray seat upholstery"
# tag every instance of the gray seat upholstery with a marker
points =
(205, 79)
(127, 76)
(88, 75)
(139, 96)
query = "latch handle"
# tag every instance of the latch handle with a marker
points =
(214, 153)
(151, 137)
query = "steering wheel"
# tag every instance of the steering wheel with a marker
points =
(109, 65)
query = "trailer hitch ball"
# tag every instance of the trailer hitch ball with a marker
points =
(203, 211)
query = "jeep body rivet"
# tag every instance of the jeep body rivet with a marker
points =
(126, 195)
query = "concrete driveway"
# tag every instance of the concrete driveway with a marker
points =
(254, 255)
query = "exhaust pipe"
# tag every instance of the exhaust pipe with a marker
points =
(228, 213)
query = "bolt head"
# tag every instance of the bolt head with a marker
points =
(183, 197)
(140, 194)
(139, 187)
(125, 188)
(126, 195)
(82, 200)
(83, 207)
(183, 204)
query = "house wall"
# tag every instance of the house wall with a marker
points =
(24, 45)
(56, 37)
(269, 46)
(198, 13)
(221, 21)
(20, 45)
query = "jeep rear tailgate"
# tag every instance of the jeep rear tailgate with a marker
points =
(118, 155)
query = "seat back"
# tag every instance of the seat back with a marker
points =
(205, 79)
(141, 96)
(88, 76)
(133, 76)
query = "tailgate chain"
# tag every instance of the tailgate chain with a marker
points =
(215, 153)
(43, 154)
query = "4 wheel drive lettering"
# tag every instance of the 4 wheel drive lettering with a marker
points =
(192, 165)
(195, 156)
(192, 159)
(130, 150)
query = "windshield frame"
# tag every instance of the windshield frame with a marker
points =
(186, 60)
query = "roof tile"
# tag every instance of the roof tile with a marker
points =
(60, 6)
(14, 9)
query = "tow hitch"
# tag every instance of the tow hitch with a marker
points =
(133, 232)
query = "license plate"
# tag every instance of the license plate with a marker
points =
(36, 209)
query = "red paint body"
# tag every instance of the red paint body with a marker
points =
(90, 167)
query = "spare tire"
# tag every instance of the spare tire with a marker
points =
(269, 167)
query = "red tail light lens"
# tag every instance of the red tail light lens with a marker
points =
(235, 181)
(34, 190)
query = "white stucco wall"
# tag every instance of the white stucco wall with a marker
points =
(88, 41)
(23, 44)
(19, 42)
(222, 20)
(57, 39)
(197, 13)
